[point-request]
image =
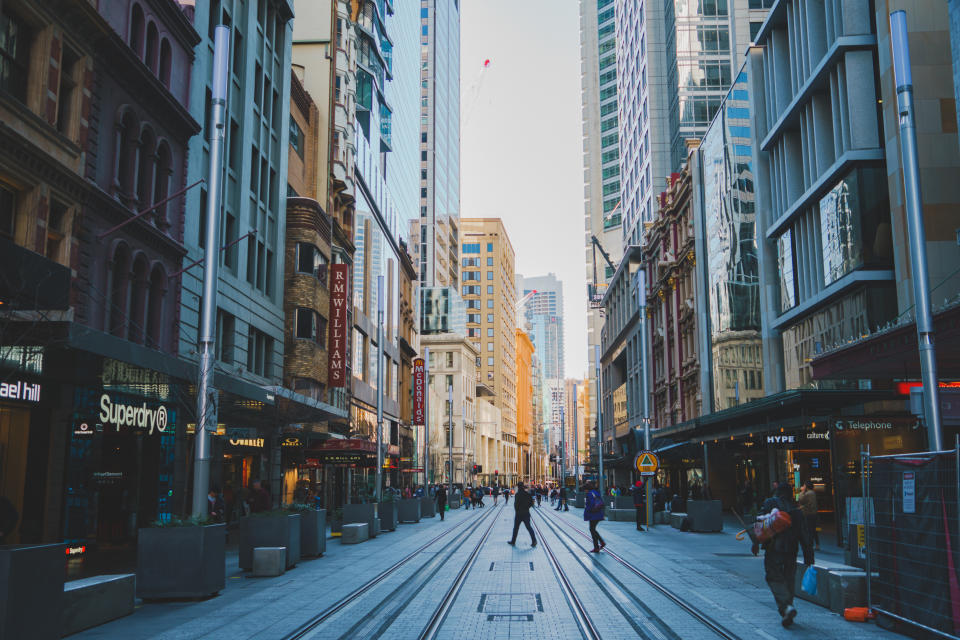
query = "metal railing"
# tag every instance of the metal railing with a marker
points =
(913, 538)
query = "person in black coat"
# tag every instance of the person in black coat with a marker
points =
(639, 493)
(780, 553)
(441, 499)
(521, 507)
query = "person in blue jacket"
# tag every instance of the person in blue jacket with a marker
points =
(593, 513)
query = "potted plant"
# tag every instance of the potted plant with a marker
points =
(408, 510)
(313, 529)
(31, 605)
(274, 528)
(389, 512)
(181, 558)
(336, 522)
(361, 513)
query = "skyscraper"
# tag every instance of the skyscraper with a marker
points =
(675, 63)
(435, 233)
(601, 162)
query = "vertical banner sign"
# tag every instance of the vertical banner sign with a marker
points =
(909, 492)
(337, 329)
(419, 390)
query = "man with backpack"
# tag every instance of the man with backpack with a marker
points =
(780, 553)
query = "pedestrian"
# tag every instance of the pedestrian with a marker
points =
(808, 504)
(466, 497)
(229, 501)
(259, 499)
(407, 494)
(521, 513)
(496, 494)
(216, 509)
(539, 492)
(8, 518)
(562, 499)
(780, 554)
(506, 495)
(419, 491)
(441, 494)
(639, 493)
(593, 513)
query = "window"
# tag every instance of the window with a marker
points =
(490, 332)
(489, 275)
(312, 262)
(490, 303)
(449, 382)
(8, 211)
(56, 230)
(754, 30)
(66, 96)
(473, 318)
(490, 361)
(489, 346)
(259, 353)
(489, 262)
(471, 248)
(489, 247)
(226, 334)
(490, 289)
(135, 37)
(489, 317)
(310, 325)
(165, 67)
(296, 138)
(449, 359)
(471, 275)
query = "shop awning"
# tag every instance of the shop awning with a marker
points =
(350, 451)
(302, 408)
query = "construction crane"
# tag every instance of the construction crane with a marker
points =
(593, 290)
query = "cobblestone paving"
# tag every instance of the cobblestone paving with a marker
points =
(510, 592)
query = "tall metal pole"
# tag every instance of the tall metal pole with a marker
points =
(463, 448)
(918, 243)
(206, 393)
(378, 491)
(576, 440)
(450, 439)
(426, 421)
(563, 446)
(596, 357)
(645, 382)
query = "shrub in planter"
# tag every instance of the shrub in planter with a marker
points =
(31, 602)
(409, 510)
(336, 522)
(389, 515)
(181, 559)
(275, 528)
(313, 529)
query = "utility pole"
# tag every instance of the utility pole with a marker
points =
(563, 445)
(645, 382)
(426, 421)
(596, 357)
(576, 440)
(450, 440)
(915, 228)
(206, 393)
(379, 477)
(463, 448)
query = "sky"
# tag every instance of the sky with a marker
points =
(521, 142)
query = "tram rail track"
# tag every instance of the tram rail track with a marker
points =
(312, 624)
(686, 606)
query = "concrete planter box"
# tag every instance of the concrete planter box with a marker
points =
(408, 510)
(428, 508)
(455, 502)
(353, 513)
(623, 502)
(661, 517)
(580, 500)
(621, 515)
(280, 530)
(389, 515)
(313, 533)
(675, 518)
(90, 602)
(705, 515)
(31, 602)
(181, 562)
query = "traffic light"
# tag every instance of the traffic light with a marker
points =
(478, 468)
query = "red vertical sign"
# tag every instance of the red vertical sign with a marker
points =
(337, 328)
(419, 390)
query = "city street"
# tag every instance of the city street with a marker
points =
(461, 580)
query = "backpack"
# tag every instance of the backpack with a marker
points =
(771, 525)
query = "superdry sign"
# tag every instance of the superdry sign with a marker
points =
(419, 390)
(338, 329)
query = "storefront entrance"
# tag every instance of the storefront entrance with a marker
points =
(14, 436)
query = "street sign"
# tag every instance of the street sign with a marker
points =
(646, 463)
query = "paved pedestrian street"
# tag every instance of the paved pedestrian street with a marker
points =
(458, 579)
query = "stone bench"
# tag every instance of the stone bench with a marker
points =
(621, 515)
(661, 517)
(838, 585)
(675, 518)
(269, 562)
(90, 602)
(354, 533)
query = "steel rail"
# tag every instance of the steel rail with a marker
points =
(586, 625)
(326, 614)
(703, 618)
(440, 613)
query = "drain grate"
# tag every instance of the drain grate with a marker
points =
(511, 566)
(512, 607)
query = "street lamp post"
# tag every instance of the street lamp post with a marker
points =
(563, 446)
(450, 439)
(596, 356)
(576, 440)
(379, 476)
(426, 419)
(463, 448)
(645, 381)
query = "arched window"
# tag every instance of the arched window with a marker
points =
(145, 166)
(158, 291)
(126, 156)
(161, 181)
(165, 62)
(150, 54)
(138, 299)
(119, 277)
(136, 30)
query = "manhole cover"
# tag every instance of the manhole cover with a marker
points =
(511, 566)
(514, 607)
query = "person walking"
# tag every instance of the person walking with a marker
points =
(521, 509)
(808, 504)
(593, 513)
(506, 495)
(259, 499)
(639, 493)
(780, 554)
(496, 494)
(539, 493)
(216, 509)
(441, 500)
